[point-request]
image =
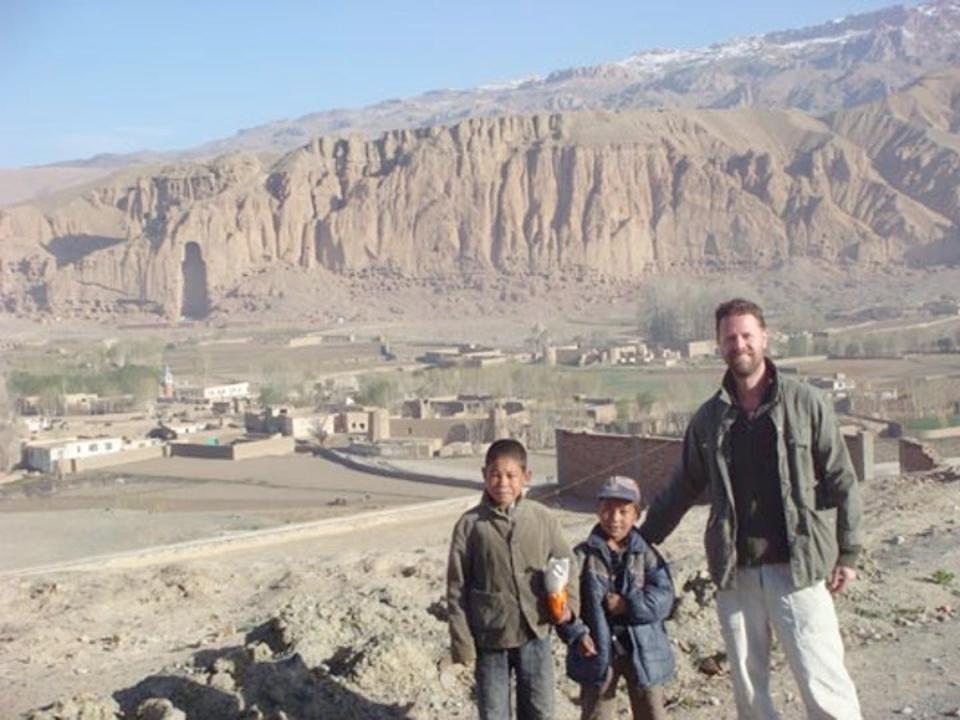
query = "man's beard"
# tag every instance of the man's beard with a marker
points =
(744, 364)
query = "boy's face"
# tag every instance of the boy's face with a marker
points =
(617, 518)
(504, 479)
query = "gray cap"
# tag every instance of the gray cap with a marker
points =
(620, 487)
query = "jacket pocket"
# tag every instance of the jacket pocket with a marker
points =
(491, 613)
(800, 465)
(822, 526)
(655, 654)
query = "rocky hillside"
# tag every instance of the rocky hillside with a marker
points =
(353, 627)
(615, 194)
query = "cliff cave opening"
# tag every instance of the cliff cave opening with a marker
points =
(195, 303)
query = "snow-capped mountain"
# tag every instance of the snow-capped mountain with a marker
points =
(819, 69)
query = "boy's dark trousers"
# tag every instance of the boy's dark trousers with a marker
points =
(599, 703)
(532, 663)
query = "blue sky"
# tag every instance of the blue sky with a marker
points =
(81, 77)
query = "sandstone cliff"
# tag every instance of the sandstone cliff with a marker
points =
(913, 141)
(619, 194)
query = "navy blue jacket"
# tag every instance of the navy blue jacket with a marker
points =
(648, 589)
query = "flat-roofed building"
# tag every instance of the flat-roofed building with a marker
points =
(214, 393)
(46, 455)
(699, 348)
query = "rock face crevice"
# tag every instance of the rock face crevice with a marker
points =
(618, 194)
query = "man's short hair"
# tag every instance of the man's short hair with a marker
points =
(507, 447)
(738, 306)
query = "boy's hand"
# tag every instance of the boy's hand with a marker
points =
(615, 604)
(587, 646)
(453, 673)
(558, 608)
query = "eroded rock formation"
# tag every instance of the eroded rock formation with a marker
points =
(621, 194)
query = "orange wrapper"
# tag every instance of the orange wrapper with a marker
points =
(557, 605)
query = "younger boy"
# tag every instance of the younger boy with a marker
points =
(625, 595)
(495, 591)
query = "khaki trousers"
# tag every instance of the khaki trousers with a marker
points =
(763, 604)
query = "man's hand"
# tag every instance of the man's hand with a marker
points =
(841, 577)
(615, 604)
(587, 647)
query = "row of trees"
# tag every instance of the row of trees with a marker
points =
(9, 451)
(669, 311)
(139, 381)
(882, 344)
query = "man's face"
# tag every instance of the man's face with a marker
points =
(504, 479)
(743, 344)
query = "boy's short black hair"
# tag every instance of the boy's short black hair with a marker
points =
(507, 447)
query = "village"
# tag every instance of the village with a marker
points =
(366, 399)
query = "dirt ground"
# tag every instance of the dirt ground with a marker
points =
(352, 626)
(170, 500)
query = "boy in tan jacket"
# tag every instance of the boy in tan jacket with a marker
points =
(499, 618)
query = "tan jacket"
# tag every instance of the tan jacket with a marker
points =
(495, 594)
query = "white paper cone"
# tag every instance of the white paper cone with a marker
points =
(556, 574)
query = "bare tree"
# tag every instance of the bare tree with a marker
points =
(9, 450)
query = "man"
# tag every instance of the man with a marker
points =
(784, 514)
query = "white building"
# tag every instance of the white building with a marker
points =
(35, 424)
(46, 454)
(838, 385)
(213, 393)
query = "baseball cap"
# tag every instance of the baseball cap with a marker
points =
(620, 487)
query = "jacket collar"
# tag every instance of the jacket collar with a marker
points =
(489, 507)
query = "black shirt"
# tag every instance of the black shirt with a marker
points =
(755, 476)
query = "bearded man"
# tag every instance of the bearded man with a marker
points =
(783, 532)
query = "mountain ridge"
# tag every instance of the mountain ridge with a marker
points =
(741, 183)
(922, 39)
(850, 60)
(624, 194)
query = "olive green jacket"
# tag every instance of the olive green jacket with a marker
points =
(495, 592)
(821, 495)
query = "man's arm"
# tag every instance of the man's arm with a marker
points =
(685, 486)
(462, 647)
(839, 488)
